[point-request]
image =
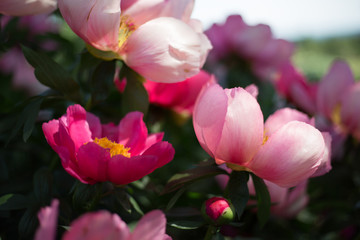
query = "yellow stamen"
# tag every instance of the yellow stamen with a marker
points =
(125, 30)
(236, 167)
(265, 139)
(336, 115)
(113, 147)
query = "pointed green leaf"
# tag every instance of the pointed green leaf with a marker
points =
(135, 96)
(135, 205)
(102, 81)
(51, 74)
(238, 191)
(13, 202)
(263, 200)
(189, 176)
(186, 225)
(30, 115)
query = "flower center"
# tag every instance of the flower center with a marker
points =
(336, 115)
(125, 30)
(113, 147)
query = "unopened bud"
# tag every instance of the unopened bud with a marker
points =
(218, 211)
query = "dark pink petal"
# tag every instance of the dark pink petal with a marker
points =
(50, 129)
(350, 113)
(163, 151)
(111, 131)
(133, 132)
(94, 125)
(78, 127)
(152, 139)
(93, 161)
(123, 170)
(152, 226)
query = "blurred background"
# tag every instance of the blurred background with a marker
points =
(322, 30)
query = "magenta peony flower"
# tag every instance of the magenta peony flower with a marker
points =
(25, 7)
(155, 38)
(285, 151)
(102, 225)
(179, 96)
(92, 152)
(292, 85)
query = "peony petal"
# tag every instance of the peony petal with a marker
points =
(123, 170)
(163, 151)
(332, 87)
(325, 165)
(94, 125)
(25, 7)
(207, 125)
(103, 22)
(48, 221)
(76, 15)
(253, 90)
(243, 130)
(93, 161)
(78, 127)
(152, 139)
(283, 116)
(291, 155)
(152, 226)
(111, 131)
(350, 114)
(50, 129)
(98, 225)
(133, 132)
(166, 50)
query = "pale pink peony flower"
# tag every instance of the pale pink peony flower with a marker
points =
(155, 38)
(26, 7)
(102, 225)
(285, 151)
(92, 152)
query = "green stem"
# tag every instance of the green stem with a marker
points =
(210, 232)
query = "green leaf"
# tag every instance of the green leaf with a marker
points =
(51, 74)
(102, 81)
(186, 225)
(13, 202)
(174, 199)
(28, 223)
(238, 191)
(184, 178)
(263, 200)
(135, 205)
(30, 115)
(135, 96)
(43, 185)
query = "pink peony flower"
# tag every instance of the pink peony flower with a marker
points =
(92, 152)
(285, 151)
(25, 7)
(293, 86)
(338, 99)
(180, 96)
(155, 38)
(102, 225)
(252, 44)
(48, 221)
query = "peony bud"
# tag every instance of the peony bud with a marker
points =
(218, 211)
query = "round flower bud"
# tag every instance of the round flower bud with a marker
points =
(218, 211)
